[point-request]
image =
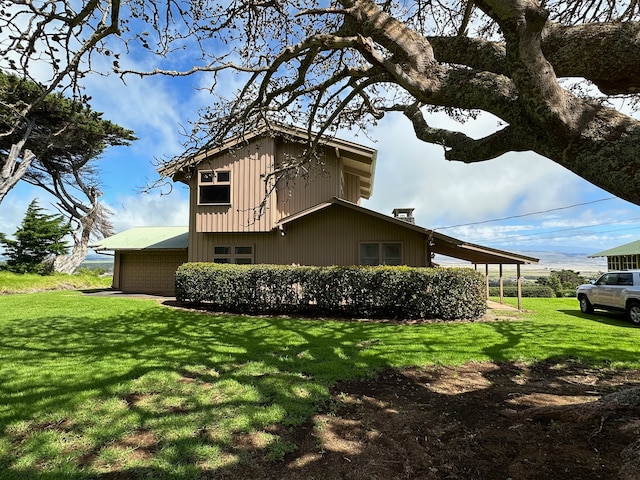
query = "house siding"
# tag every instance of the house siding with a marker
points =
(351, 189)
(329, 237)
(247, 165)
(247, 191)
(322, 183)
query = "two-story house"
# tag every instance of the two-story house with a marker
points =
(242, 211)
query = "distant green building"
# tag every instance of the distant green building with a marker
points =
(624, 257)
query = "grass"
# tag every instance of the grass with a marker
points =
(91, 386)
(23, 283)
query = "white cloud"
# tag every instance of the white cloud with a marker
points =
(411, 173)
(14, 206)
(150, 210)
(11, 214)
(146, 106)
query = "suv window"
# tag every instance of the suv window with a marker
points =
(608, 279)
(625, 279)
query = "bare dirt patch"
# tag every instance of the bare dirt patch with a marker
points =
(466, 422)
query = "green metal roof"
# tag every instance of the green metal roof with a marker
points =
(146, 238)
(632, 248)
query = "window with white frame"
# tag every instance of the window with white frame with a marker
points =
(240, 255)
(214, 187)
(623, 262)
(381, 253)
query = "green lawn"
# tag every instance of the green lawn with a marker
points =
(92, 385)
(28, 282)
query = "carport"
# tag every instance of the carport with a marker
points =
(480, 255)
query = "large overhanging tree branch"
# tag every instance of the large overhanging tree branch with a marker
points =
(348, 63)
(545, 71)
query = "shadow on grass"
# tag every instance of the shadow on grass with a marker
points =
(617, 319)
(186, 383)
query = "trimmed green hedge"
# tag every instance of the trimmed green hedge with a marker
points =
(540, 291)
(372, 292)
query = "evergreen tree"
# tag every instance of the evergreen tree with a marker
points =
(39, 237)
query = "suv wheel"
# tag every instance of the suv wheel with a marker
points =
(633, 313)
(585, 305)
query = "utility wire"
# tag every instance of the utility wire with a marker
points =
(526, 214)
(542, 234)
(511, 240)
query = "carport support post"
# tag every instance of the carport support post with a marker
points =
(501, 286)
(486, 278)
(519, 288)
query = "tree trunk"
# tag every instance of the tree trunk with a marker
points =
(12, 170)
(583, 412)
(70, 263)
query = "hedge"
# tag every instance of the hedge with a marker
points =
(357, 292)
(541, 291)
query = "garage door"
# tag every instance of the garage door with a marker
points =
(150, 272)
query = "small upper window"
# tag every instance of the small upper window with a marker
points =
(206, 177)
(214, 188)
(223, 177)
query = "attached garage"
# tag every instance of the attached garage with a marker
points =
(146, 258)
(148, 272)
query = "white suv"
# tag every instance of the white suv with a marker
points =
(618, 291)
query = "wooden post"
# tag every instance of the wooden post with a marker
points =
(519, 289)
(501, 286)
(486, 278)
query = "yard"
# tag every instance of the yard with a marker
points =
(102, 387)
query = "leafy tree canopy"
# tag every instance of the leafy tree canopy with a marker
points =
(39, 237)
(553, 72)
(53, 142)
(560, 280)
(62, 134)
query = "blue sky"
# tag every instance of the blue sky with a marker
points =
(409, 174)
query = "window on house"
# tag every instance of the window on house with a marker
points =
(623, 262)
(381, 253)
(630, 262)
(214, 187)
(240, 255)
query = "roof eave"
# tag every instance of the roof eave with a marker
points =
(176, 170)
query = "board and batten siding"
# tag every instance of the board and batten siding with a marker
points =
(247, 191)
(331, 236)
(351, 188)
(247, 166)
(322, 184)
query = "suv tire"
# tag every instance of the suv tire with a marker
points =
(585, 304)
(633, 312)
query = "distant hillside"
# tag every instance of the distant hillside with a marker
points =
(98, 261)
(578, 262)
(570, 261)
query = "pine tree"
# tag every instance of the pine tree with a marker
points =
(39, 237)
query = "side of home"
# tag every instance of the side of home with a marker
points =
(245, 209)
(241, 194)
